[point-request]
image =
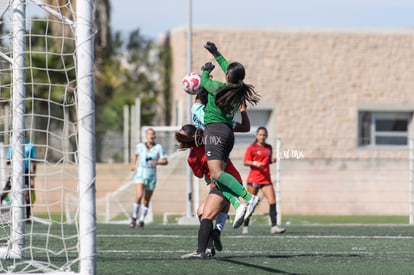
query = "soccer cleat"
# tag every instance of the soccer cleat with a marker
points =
(194, 255)
(245, 230)
(277, 230)
(216, 240)
(141, 224)
(251, 205)
(133, 223)
(239, 218)
(210, 252)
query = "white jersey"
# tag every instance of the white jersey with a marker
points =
(145, 156)
(197, 115)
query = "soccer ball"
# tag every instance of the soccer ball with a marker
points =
(191, 82)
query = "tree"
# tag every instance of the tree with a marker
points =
(129, 74)
(165, 61)
(124, 70)
(56, 85)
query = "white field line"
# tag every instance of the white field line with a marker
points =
(254, 252)
(358, 251)
(261, 237)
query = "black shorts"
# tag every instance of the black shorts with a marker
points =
(218, 141)
(216, 191)
(26, 181)
(258, 186)
(8, 183)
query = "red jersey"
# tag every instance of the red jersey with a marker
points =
(197, 160)
(263, 154)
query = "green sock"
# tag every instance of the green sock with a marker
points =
(230, 182)
(232, 199)
(229, 195)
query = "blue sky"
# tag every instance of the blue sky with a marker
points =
(156, 16)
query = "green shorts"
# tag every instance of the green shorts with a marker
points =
(149, 184)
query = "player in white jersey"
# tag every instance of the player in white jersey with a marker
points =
(148, 156)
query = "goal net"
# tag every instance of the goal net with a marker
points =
(47, 100)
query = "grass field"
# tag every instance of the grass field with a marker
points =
(311, 245)
(303, 249)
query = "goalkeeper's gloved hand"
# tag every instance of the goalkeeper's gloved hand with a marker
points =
(208, 67)
(211, 47)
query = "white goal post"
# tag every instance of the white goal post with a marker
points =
(47, 85)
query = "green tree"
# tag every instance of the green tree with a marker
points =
(50, 80)
(127, 75)
(124, 70)
(164, 65)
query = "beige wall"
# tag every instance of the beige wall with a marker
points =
(316, 80)
(319, 187)
(57, 185)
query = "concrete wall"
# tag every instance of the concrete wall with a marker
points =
(317, 187)
(316, 81)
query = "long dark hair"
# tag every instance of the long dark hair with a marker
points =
(202, 94)
(189, 136)
(236, 92)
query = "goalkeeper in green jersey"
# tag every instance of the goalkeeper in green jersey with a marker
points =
(224, 100)
(197, 115)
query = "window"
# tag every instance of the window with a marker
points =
(383, 128)
(257, 117)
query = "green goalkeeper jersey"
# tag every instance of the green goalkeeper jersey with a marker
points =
(214, 114)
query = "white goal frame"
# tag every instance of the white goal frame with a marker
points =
(84, 26)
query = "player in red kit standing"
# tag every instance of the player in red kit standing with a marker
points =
(259, 156)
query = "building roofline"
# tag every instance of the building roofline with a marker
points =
(387, 31)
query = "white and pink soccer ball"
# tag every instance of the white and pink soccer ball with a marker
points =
(191, 82)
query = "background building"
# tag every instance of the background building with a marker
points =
(340, 103)
(341, 100)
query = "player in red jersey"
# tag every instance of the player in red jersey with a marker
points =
(215, 205)
(190, 137)
(259, 156)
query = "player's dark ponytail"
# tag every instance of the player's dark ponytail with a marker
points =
(236, 92)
